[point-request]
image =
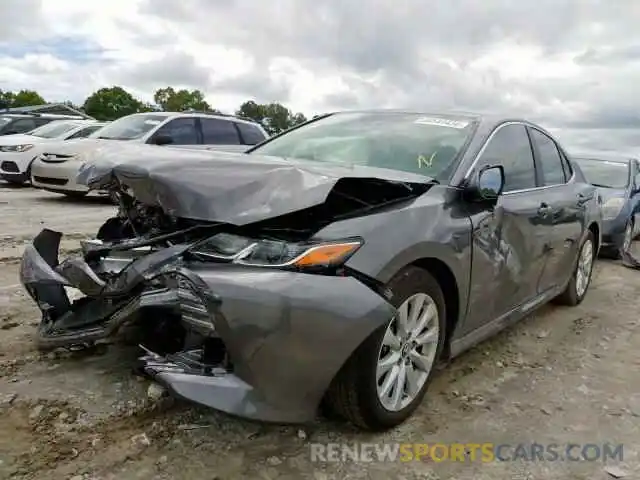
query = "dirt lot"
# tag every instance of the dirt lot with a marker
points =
(563, 376)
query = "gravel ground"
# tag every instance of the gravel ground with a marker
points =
(565, 375)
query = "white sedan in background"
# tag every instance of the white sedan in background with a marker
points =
(18, 151)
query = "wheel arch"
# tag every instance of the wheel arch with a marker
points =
(450, 289)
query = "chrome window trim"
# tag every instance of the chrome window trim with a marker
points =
(478, 156)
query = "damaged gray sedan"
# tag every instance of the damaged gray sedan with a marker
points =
(332, 265)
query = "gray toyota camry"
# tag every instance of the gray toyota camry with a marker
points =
(330, 266)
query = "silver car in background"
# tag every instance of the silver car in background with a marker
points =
(56, 169)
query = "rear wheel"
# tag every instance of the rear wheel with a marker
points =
(387, 377)
(581, 278)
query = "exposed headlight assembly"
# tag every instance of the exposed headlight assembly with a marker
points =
(612, 207)
(16, 148)
(276, 253)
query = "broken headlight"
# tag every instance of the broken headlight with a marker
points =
(276, 253)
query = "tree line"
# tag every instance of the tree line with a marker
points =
(110, 103)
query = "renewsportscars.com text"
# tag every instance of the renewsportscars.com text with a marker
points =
(466, 452)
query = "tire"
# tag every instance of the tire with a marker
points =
(571, 296)
(353, 394)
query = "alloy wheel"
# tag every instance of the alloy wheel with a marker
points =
(585, 265)
(408, 352)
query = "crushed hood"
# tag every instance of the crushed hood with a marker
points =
(226, 187)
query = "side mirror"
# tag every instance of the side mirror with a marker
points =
(162, 140)
(488, 184)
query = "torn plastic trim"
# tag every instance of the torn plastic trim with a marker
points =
(51, 335)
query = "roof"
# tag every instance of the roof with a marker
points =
(48, 108)
(200, 113)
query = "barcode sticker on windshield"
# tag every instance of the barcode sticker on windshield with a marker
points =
(441, 122)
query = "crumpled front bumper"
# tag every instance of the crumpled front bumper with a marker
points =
(286, 334)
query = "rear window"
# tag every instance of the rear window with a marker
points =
(251, 135)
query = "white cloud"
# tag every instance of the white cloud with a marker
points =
(570, 64)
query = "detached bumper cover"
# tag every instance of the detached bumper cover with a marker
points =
(287, 334)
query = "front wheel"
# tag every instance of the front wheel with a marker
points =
(581, 278)
(387, 376)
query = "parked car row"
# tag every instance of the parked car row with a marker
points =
(331, 266)
(50, 156)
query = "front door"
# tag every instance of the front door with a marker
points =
(508, 246)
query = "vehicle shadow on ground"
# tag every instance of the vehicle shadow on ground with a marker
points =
(88, 200)
(12, 186)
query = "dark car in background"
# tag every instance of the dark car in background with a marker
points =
(333, 264)
(617, 178)
(14, 123)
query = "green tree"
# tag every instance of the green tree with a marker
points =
(6, 99)
(112, 103)
(26, 98)
(274, 117)
(171, 100)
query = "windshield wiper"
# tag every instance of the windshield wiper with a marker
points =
(601, 185)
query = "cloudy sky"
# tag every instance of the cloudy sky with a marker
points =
(572, 65)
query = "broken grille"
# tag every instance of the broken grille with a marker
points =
(192, 306)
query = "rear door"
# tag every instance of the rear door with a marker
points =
(508, 243)
(562, 214)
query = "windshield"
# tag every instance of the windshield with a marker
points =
(131, 127)
(53, 129)
(426, 145)
(605, 174)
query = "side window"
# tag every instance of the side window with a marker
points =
(83, 132)
(568, 172)
(42, 121)
(510, 147)
(552, 170)
(251, 134)
(22, 125)
(219, 132)
(181, 130)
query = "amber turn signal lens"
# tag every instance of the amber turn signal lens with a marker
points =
(326, 254)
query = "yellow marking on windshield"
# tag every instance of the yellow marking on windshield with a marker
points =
(426, 162)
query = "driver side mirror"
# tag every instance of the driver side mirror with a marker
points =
(162, 140)
(487, 185)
